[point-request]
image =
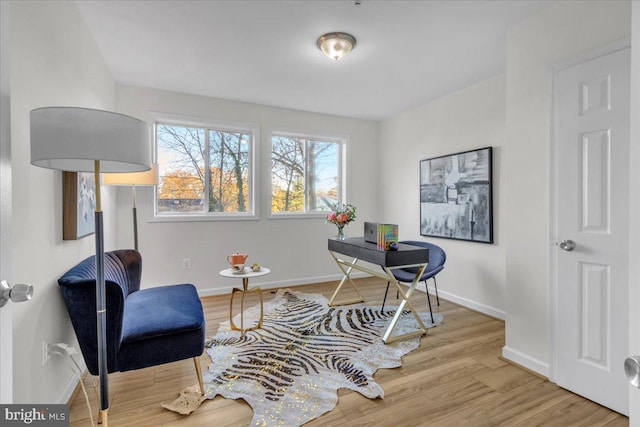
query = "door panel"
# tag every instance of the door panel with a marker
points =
(592, 188)
(6, 323)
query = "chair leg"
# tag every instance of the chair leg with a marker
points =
(429, 301)
(436, 286)
(385, 297)
(196, 362)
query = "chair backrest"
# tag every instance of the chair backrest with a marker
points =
(122, 271)
(437, 256)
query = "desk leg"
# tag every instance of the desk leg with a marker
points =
(346, 276)
(387, 338)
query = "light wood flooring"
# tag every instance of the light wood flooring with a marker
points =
(455, 378)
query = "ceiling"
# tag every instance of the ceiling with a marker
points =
(262, 51)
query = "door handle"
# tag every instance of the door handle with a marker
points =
(18, 293)
(632, 369)
(567, 245)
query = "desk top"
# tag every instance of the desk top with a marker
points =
(356, 247)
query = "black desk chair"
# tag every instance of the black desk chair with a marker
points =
(437, 258)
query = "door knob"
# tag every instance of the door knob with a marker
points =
(632, 369)
(567, 245)
(20, 292)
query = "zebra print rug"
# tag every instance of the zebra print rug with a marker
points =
(290, 370)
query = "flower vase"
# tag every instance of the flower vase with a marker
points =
(340, 235)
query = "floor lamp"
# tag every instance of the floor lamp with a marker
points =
(149, 177)
(87, 140)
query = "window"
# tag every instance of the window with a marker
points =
(204, 170)
(305, 173)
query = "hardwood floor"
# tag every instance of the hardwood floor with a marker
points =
(455, 378)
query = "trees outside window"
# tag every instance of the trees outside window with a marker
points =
(204, 170)
(305, 173)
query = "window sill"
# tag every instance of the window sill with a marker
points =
(297, 215)
(203, 218)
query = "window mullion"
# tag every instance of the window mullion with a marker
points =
(306, 177)
(207, 172)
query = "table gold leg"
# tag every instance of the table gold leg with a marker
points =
(261, 306)
(233, 326)
(346, 276)
(245, 290)
(422, 329)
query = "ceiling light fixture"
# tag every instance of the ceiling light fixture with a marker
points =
(336, 45)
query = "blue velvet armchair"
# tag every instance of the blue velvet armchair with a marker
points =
(145, 327)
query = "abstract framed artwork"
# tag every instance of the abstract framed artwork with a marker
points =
(456, 196)
(78, 206)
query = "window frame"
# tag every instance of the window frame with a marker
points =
(343, 144)
(215, 125)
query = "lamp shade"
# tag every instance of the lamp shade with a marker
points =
(149, 177)
(71, 139)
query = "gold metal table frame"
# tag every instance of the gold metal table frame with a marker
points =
(358, 249)
(245, 276)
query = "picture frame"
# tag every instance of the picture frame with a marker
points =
(78, 205)
(456, 196)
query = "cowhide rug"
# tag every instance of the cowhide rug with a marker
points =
(289, 371)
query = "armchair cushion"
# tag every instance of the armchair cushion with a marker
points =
(161, 311)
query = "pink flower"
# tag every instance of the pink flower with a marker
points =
(331, 216)
(342, 218)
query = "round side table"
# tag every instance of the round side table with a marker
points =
(245, 275)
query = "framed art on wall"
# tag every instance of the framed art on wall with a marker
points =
(456, 196)
(78, 206)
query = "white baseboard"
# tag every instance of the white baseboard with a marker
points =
(72, 384)
(476, 306)
(226, 289)
(526, 361)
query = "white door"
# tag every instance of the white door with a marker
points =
(6, 324)
(592, 188)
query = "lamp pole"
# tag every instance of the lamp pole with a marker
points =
(135, 218)
(101, 308)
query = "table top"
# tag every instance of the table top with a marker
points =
(246, 273)
(357, 247)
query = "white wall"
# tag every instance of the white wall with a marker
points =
(634, 213)
(294, 249)
(53, 61)
(474, 117)
(556, 34)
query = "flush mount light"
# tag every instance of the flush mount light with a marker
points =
(336, 45)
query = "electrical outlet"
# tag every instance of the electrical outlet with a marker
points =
(186, 263)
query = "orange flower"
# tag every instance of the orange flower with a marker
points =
(341, 214)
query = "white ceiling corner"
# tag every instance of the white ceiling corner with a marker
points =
(264, 51)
